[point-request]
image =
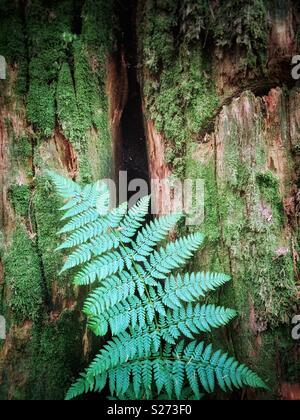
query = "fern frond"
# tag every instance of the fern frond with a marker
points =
(110, 302)
(65, 187)
(71, 202)
(139, 313)
(161, 263)
(190, 287)
(89, 216)
(173, 256)
(113, 290)
(152, 234)
(134, 393)
(101, 268)
(134, 220)
(95, 229)
(193, 320)
(80, 256)
(218, 368)
(194, 363)
(91, 196)
(96, 247)
(88, 197)
(138, 344)
(145, 307)
(134, 312)
(84, 234)
(119, 351)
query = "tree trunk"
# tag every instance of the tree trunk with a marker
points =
(53, 115)
(159, 88)
(221, 103)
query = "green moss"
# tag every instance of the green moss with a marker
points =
(275, 292)
(195, 20)
(41, 106)
(20, 198)
(206, 172)
(98, 21)
(157, 34)
(252, 228)
(85, 85)
(65, 85)
(22, 148)
(182, 102)
(67, 76)
(228, 23)
(180, 97)
(269, 188)
(92, 104)
(46, 205)
(57, 349)
(244, 226)
(289, 356)
(23, 276)
(243, 24)
(67, 110)
(47, 29)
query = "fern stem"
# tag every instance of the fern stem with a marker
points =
(147, 293)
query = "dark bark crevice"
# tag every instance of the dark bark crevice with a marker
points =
(77, 17)
(132, 148)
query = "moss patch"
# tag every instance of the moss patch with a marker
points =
(47, 29)
(23, 275)
(180, 97)
(57, 349)
(20, 198)
(22, 148)
(243, 24)
(46, 205)
(67, 110)
(63, 77)
(245, 236)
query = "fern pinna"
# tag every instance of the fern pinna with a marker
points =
(154, 317)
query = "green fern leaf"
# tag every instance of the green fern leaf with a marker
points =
(152, 234)
(89, 216)
(134, 220)
(145, 308)
(94, 229)
(175, 255)
(65, 187)
(190, 287)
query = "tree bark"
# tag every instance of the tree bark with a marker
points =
(221, 104)
(53, 115)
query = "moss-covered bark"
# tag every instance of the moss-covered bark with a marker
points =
(53, 114)
(209, 76)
